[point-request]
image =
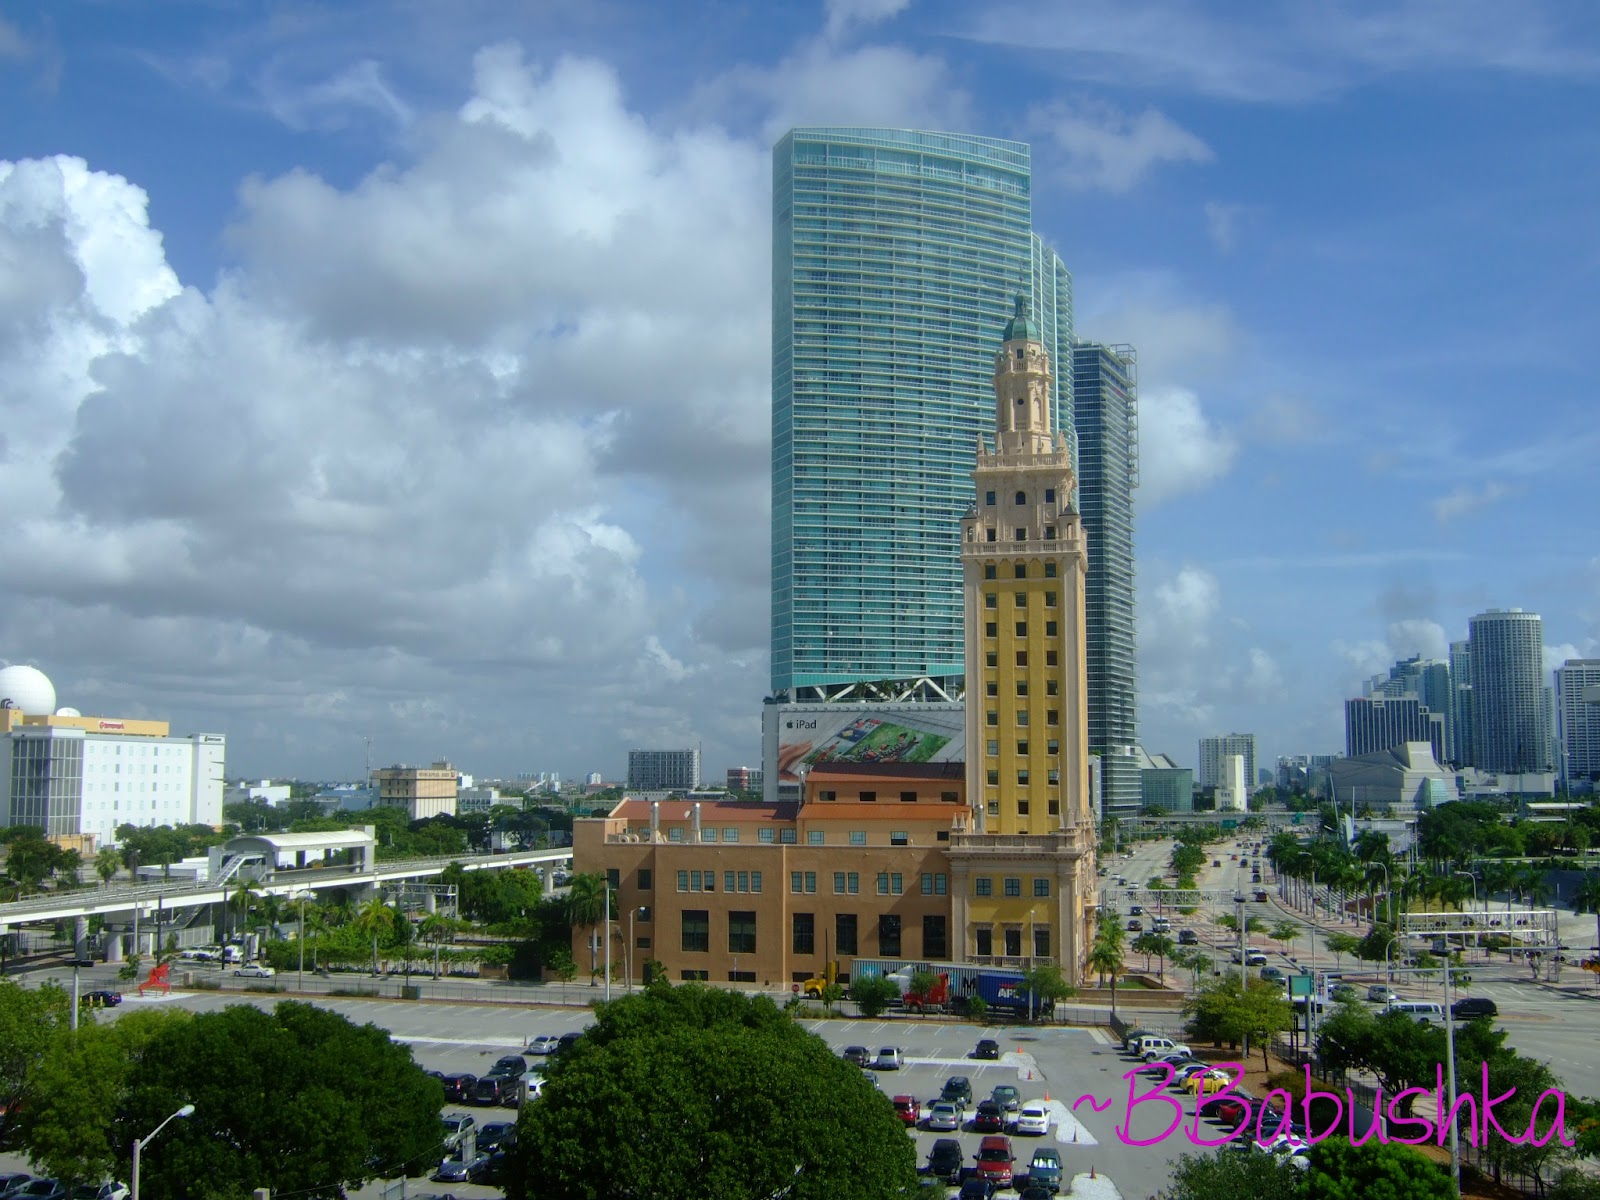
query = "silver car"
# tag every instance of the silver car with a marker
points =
(944, 1117)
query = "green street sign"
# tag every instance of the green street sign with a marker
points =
(1302, 985)
(1229, 824)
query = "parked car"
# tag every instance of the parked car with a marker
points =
(1044, 1170)
(987, 1048)
(456, 1170)
(1007, 1097)
(975, 1187)
(102, 999)
(1468, 1007)
(1273, 975)
(11, 1180)
(512, 1066)
(1206, 1082)
(1131, 1038)
(497, 1133)
(957, 1090)
(989, 1118)
(39, 1189)
(907, 1109)
(1382, 993)
(457, 1087)
(858, 1055)
(456, 1128)
(945, 1160)
(490, 1169)
(567, 1041)
(943, 1117)
(110, 1190)
(1032, 1118)
(1342, 992)
(1033, 1191)
(1188, 937)
(994, 1159)
(889, 1059)
(1228, 1110)
(255, 971)
(544, 1043)
(491, 1090)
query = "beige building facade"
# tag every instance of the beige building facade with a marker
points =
(731, 891)
(1027, 867)
(420, 792)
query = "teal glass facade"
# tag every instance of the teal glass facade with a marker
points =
(896, 258)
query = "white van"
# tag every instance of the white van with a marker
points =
(1422, 1010)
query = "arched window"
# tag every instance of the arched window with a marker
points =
(1022, 497)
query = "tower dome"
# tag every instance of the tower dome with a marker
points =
(1022, 326)
(28, 689)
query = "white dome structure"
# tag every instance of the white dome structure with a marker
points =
(68, 712)
(28, 689)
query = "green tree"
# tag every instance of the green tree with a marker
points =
(1229, 1176)
(586, 906)
(1220, 1012)
(372, 919)
(1285, 933)
(298, 1100)
(1105, 958)
(1342, 944)
(1048, 986)
(1400, 1050)
(1374, 1171)
(873, 994)
(1587, 900)
(31, 1019)
(79, 1088)
(758, 1107)
(32, 860)
(106, 864)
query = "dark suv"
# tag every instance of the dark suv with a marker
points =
(958, 1090)
(945, 1160)
(491, 1089)
(458, 1087)
(1474, 1006)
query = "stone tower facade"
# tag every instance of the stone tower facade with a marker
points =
(1024, 878)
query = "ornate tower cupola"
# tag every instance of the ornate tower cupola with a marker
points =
(1022, 387)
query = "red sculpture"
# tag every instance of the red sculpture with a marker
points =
(158, 979)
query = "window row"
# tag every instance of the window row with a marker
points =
(1011, 885)
(706, 881)
(742, 937)
(1018, 599)
(1011, 940)
(814, 836)
(990, 571)
(1021, 498)
(1052, 716)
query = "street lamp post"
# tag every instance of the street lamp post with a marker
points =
(627, 951)
(1473, 879)
(300, 984)
(608, 939)
(140, 1143)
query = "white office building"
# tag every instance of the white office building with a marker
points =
(77, 778)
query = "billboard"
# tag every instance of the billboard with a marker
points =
(811, 735)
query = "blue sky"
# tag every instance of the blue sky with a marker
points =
(400, 369)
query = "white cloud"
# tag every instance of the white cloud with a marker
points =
(1222, 222)
(842, 16)
(453, 445)
(1289, 51)
(1112, 150)
(1558, 654)
(1467, 499)
(1180, 450)
(12, 42)
(359, 89)
(1418, 636)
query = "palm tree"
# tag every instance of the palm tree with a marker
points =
(243, 900)
(1587, 900)
(586, 905)
(375, 917)
(1105, 958)
(106, 864)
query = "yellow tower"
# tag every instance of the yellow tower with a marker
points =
(1025, 874)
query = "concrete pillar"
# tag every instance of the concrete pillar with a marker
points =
(80, 937)
(430, 903)
(114, 947)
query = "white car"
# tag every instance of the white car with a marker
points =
(1033, 1118)
(1296, 1150)
(1157, 1052)
(255, 971)
(545, 1043)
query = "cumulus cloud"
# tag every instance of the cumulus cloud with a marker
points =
(1180, 449)
(1414, 636)
(1109, 149)
(841, 16)
(1467, 499)
(446, 458)
(1222, 224)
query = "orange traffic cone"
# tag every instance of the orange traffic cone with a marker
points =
(1091, 1171)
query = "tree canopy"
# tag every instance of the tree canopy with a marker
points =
(678, 1093)
(30, 1020)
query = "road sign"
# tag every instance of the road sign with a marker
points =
(1302, 985)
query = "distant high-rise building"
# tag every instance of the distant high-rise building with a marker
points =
(1105, 411)
(664, 770)
(744, 779)
(419, 792)
(1214, 749)
(1233, 793)
(1509, 722)
(895, 257)
(1461, 703)
(1429, 681)
(1374, 723)
(1578, 719)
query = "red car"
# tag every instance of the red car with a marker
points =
(907, 1109)
(994, 1159)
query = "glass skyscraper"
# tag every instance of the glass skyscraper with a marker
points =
(1105, 411)
(1510, 730)
(896, 254)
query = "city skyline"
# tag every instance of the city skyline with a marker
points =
(384, 375)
